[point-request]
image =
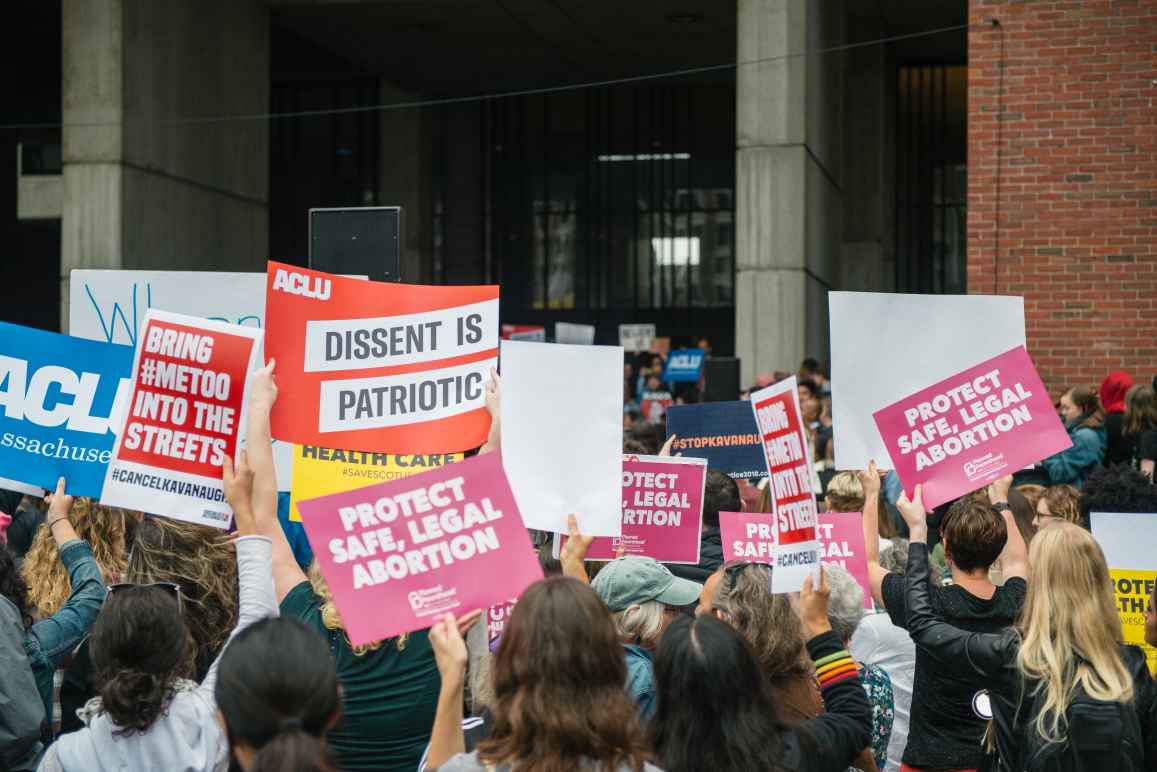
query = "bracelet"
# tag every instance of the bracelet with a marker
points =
(57, 520)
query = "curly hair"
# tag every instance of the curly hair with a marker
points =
(203, 561)
(1064, 502)
(331, 617)
(768, 622)
(104, 530)
(1119, 488)
(12, 585)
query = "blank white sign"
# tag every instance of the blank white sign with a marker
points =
(562, 434)
(888, 346)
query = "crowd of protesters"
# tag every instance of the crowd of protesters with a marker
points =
(132, 643)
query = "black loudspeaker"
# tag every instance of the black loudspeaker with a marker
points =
(720, 379)
(364, 241)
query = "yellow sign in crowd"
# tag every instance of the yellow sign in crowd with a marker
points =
(322, 471)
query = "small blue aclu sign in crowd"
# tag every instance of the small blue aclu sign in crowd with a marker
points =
(57, 395)
(684, 365)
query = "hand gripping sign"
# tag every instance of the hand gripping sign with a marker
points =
(398, 555)
(981, 424)
(789, 466)
(184, 417)
(375, 366)
(58, 399)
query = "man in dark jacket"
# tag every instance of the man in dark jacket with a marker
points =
(720, 494)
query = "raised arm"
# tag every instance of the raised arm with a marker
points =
(446, 638)
(845, 729)
(976, 655)
(254, 577)
(870, 482)
(1014, 556)
(259, 443)
(59, 634)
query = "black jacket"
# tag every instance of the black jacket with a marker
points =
(990, 659)
(710, 558)
(831, 742)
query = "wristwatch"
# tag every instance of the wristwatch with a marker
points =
(1000, 506)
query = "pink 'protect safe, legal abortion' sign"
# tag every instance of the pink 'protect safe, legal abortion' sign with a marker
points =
(962, 433)
(399, 555)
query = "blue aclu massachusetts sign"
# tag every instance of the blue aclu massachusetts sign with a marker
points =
(684, 365)
(56, 398)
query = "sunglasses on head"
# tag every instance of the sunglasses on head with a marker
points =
(171, 587)
(733, 571)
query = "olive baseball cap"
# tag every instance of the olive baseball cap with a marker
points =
(632, 580)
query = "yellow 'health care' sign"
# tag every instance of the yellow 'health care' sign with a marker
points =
(1134, 589)
(323, 471)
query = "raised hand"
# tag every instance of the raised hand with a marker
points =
(914, 514)
(574, 551)
(813, 604)
(870, 480)
(238, 479)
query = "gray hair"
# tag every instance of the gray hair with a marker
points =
(846, 604)
(896, 558)
(642, 622)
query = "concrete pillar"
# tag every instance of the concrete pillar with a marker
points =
(789, 119)
(146, 185)
(869, 260)
(405, 180)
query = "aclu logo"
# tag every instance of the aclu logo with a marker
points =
(432, 600)
(984, 465)
(300, 284)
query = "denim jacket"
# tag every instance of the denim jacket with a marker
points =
(640, 679)
(51, 640)
(1073, 465)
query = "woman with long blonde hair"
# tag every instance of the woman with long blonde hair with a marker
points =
(102, 527)
(1065, 649)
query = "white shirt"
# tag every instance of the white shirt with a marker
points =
(879, 642)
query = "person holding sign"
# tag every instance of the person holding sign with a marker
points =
(149, 715)
(740, 594)
(716, 712)
(389, 688)
(558, 690)
(49, 641)
(945, 732)
(1064, 691)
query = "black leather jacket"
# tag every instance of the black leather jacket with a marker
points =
(990, 660)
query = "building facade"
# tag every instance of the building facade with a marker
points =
(713, 167)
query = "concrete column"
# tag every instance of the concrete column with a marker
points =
(405, 180)
(788, 179)
(146, 185)
(869, 260)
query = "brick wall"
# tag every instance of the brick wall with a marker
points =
(1074, 229)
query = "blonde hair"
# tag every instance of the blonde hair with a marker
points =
(1069, 628)
(642, 623)
(48, 582)
(845, 493)
(331, 617)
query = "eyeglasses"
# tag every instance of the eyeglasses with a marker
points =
(171, 587)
